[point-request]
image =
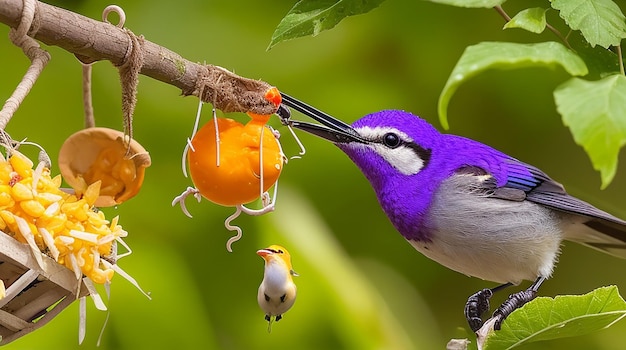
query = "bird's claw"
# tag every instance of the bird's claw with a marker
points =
(498, 319)
(477, 304)
(512, 303)
(270, 320)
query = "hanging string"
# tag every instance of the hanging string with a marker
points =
(129, 71)
(38, 57)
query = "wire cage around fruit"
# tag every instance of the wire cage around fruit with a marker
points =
(34, 294)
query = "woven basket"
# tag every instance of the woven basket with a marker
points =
(34, 295)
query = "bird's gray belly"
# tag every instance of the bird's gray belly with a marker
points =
(493, 239)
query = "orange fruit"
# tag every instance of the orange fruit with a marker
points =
(236, 179)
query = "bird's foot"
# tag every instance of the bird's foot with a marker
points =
(477, 304)
(514, 302)
(270, 320)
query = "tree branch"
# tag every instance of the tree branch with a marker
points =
(92, 40)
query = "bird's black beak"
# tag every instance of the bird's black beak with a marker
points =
(332, 129)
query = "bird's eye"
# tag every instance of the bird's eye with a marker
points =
(391, 140)
(280, 251)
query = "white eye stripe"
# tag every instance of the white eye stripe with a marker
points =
(403, 158)
(377, 133)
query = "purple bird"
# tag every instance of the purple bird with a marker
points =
(466, 205)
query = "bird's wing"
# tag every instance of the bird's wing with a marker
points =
(602, 230)
(541, 189)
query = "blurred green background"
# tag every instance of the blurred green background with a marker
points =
(361, 286)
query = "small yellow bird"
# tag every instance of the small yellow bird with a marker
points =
(277, 292)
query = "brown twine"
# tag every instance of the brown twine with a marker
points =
(232, 93)
(129, 78)
(90, 120)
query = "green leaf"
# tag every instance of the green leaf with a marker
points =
(310, 17)
(470, 3)
(564, 316)
(532, 20)
(600, 61)
(487, 55)
(601, 21)
(595, 112)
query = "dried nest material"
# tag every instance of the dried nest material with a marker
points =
(94, 154)
(229, 92)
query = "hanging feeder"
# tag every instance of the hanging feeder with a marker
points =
(54, 245)
(34, 294)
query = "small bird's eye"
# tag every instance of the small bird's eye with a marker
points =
(391, 140)
(280, 251)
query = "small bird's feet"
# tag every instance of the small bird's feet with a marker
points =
(477, 304)
(277, 318)
(514, 302)
(270, 320)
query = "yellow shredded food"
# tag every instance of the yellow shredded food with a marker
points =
(34, 210)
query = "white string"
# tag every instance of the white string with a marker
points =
(217, 138)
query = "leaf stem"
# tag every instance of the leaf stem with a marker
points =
(559, 35)
(502, 13)
(556, 32)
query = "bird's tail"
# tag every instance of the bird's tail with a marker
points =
(604, 235)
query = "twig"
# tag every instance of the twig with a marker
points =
(92, 40)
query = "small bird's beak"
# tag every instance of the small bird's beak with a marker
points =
(332, 129)
(264, 252)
